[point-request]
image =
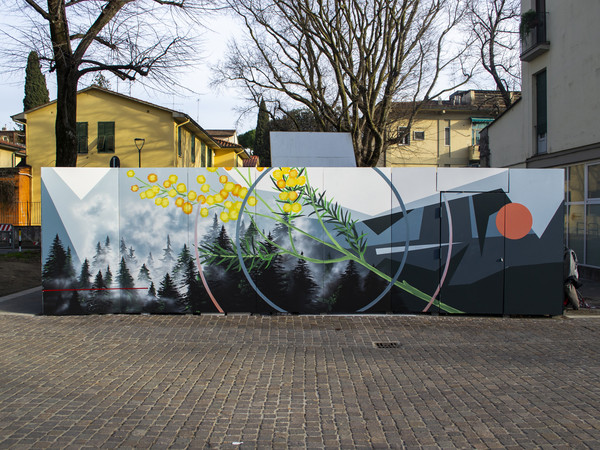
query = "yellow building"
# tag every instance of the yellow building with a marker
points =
(139, 133)
(443, 133)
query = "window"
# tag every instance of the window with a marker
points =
(403, 136)
(447, 135)
(202, 154)
(193, 149)
(541, 112)
(106, 137)
(82, 137)
(478, 124)
(179, 142)
(419, 135)
(209, 159)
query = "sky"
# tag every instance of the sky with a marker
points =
(212, 109)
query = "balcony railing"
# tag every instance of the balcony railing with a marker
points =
(534, 40)
(21, 213)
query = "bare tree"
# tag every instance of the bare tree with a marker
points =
(347, 61)
(127, 38)
(495, 28)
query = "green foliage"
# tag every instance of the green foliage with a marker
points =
(36, 92)
(101, 81)
(247, 139)
(261, 144)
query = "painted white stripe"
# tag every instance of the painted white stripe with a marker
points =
(401, 248)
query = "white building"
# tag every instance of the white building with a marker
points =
(556, 122)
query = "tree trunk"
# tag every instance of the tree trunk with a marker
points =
(67, 76)
(66, 119)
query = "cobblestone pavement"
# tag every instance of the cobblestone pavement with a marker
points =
(298, 382)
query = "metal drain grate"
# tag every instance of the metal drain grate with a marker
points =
(386, 344)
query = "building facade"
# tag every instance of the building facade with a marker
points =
(138, 133)
(442, 133)
(555, 123)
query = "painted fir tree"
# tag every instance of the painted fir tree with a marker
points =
(55, 266)
(144, 275)
(108, 277)
(85, 275)
(36, 92)
(168, 257)
(302, 287)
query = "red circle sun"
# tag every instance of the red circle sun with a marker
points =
(514, 221)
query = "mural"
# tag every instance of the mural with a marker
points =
(302, 240)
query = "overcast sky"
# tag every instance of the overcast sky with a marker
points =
(211, 109)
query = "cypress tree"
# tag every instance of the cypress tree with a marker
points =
(36, 92)
(261, 145)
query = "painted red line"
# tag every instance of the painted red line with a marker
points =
(105, 289)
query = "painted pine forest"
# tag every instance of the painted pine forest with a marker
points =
(117, 280)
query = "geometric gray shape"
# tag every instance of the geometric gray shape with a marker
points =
(311, 149)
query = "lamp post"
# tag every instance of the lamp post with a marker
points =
(139, 143)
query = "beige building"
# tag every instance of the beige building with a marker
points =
(139, 133)
(443, 133)
(555, 124)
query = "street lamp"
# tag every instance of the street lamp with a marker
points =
(139, 143)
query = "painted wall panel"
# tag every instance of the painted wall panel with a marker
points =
(300, 240)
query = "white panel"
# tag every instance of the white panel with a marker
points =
(311, 149)
(470, 179)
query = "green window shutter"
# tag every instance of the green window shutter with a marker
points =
(106, 137)
(541, 103)
(202, 154)
(179, 142)
(193, 149)
(82, 137)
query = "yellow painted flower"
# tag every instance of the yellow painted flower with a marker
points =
(187, 207)
(211, 169)
(201, 179)
(301, 180)
(260, 169)
(293, 196)
(181, 188)
(204, 212)
(210, 200)
(285, 170)
(224, 193)
(233, 215)
(291, 182)
(224, 217)
(236, 189)
(287, 208)
(192, 195)
(152, 178)
(143, 195)
(165, 202)
(296, 207)
(243, 192)
(179, 202)
(223, 179)
(155, 189)
(218, 198)
(228, 204)
(228, 168)
(130, 173)
(135, 188)
(293, 173)
(237, 206)
(173, 179)
(284, 195)
(278, 174)
(150, 193)
(205, 188)
(252, 201)
(229, 186)
(201, 199)
(167, 184)
(172, 193)
(158, 201)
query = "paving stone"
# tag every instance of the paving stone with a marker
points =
(298, 382)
